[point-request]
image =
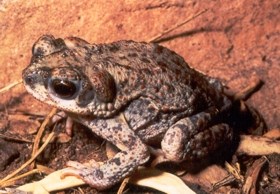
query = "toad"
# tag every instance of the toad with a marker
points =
(136, 96)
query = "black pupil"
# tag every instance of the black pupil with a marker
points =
(64, 88)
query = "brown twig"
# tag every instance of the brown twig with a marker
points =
(122, 186)
(12, 180)
(155, 38)
(252, 176)
(254, 84)
(40, 133)
(15, 139)
(10, 86)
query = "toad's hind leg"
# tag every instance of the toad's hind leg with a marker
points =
(191, 138)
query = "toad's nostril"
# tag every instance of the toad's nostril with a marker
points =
(29, 80)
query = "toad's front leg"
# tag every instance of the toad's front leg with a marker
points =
(133, 153)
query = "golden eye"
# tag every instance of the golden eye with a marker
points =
(64, 88)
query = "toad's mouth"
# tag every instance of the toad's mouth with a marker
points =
(40, 93)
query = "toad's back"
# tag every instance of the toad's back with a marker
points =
(152, 70)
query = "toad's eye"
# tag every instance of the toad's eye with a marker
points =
(64, 88)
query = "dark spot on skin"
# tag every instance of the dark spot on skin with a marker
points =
(151, 109)
(193, 84)
(177, 71)
(123, 66)
(63, 71)
(116, 161)
(132, 55)
(86, 48)
(75, 58)
(125, 152)
(132, 78)
(123, 161)
(64, 54)
(35, 59)
(39, 51)
(104, 125)
(109, 58)
(163, 69)
(117, 128)
(142, 86)
(126, 91)
(127, 42)
(171, 138)
(161, 64)
(156, 89)
(146, 71)
(144, 54)
(177, 61)
(130, 141)
(113, 48)
(98, 174)
(96, 49)
(134, 111)
(123, 58)
(170, 77)
(158, 49)
(88, 55)
(181, 126)
(145, 60)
